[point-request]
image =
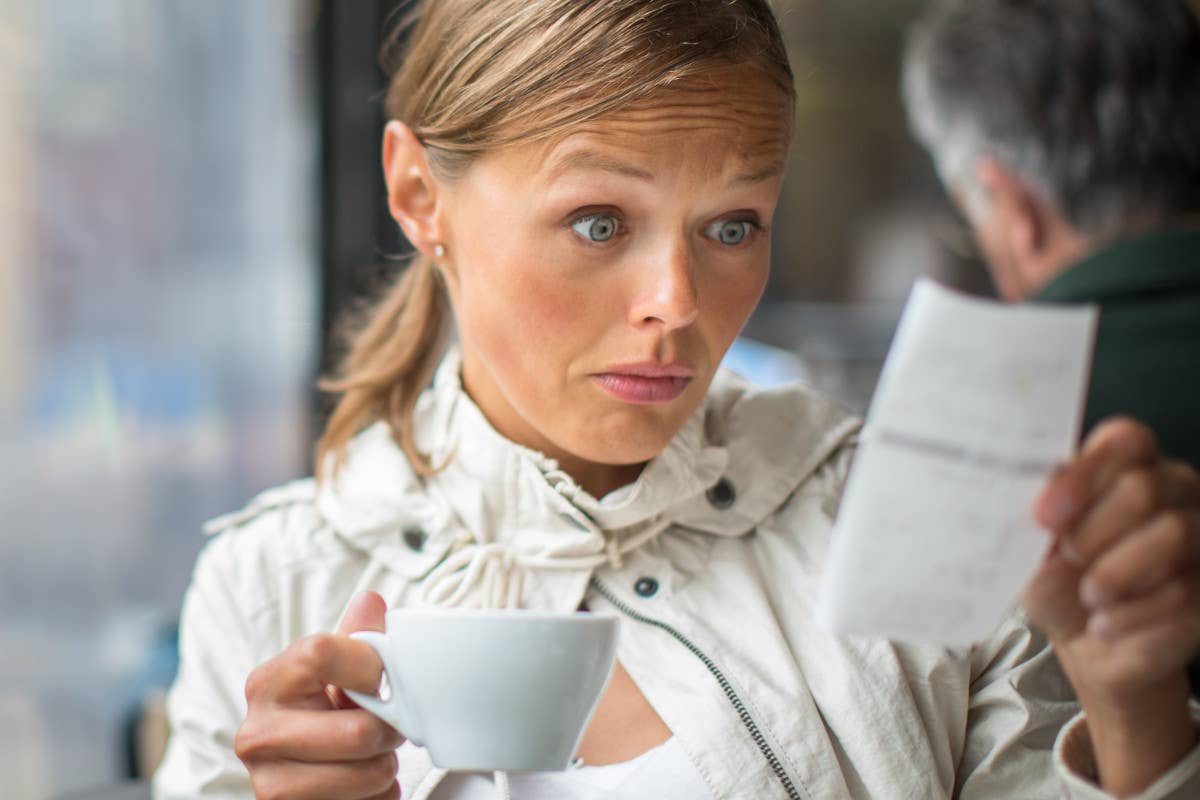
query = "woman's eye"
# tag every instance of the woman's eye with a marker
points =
(597, 227)
(730, 231)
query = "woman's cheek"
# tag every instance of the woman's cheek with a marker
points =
(558, 303)
(519, 319)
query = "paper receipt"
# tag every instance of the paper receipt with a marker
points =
(978, 402)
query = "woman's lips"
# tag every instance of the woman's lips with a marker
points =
(645, 383)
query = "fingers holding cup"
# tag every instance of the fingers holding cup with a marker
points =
(366, 612)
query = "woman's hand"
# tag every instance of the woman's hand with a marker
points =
(1119, 596)
(302, 737)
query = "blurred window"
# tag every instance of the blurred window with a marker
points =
(158, 337)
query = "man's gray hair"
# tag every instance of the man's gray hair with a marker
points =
(1094, 103)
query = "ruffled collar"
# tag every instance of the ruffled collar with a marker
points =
(502, 526)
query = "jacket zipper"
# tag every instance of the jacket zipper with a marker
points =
(735, 701)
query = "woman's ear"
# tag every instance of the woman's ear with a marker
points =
(411, 189)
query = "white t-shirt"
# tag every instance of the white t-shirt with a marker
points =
(664, 773)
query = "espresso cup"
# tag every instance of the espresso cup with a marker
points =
(486, 690)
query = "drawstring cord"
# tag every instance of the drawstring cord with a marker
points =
(498, 570)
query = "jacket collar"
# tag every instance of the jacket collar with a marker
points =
(1157, 262)
(513, 504)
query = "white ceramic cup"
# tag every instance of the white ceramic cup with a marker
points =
(492, 690)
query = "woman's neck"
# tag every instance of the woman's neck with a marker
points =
(599, 479)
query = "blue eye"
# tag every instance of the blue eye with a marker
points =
(597, 227)
(730, 231)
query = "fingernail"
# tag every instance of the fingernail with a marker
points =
(1062, 510)
(1092, 595)
(1100, 626)
(1069, 553)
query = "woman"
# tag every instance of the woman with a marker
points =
(591, 187)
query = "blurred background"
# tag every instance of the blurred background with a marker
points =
(189, 194)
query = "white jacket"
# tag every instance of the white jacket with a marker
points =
(712, 557)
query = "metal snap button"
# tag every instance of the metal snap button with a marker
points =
(414, 538)
(646, 587)
(721, 495)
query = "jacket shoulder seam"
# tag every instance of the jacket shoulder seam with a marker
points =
(297, 493)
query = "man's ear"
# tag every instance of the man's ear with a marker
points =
(1016, 207)
(412, 191)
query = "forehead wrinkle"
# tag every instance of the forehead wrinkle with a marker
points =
(753, 126)
(758, 176)
(629, 151)
(583, 158)
(758, 154)
(690, 116)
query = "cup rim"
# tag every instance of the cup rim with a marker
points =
(506, 614)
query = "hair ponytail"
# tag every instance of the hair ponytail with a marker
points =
(392, 358)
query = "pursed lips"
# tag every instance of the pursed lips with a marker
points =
(646, 382)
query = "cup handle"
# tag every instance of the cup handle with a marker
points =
(394, 711)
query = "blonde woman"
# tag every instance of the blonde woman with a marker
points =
(591, 188)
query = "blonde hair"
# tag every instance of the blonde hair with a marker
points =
(481, 74)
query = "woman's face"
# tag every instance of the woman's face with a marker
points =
(598, 279)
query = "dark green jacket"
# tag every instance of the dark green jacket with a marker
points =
(1147, 358)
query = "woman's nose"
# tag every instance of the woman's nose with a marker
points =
(668, 295)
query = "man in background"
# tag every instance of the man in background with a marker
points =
(1068, 133)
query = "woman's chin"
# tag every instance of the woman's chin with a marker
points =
(621, 445)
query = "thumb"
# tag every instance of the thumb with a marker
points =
(1052, 598)
(364, 613)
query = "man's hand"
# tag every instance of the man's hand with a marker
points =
(1119, 596)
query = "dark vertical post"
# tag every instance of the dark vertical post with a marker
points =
(357, 234)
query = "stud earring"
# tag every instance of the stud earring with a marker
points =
(439, 250)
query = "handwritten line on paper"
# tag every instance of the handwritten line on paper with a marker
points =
(976, 405)
(954, 452)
